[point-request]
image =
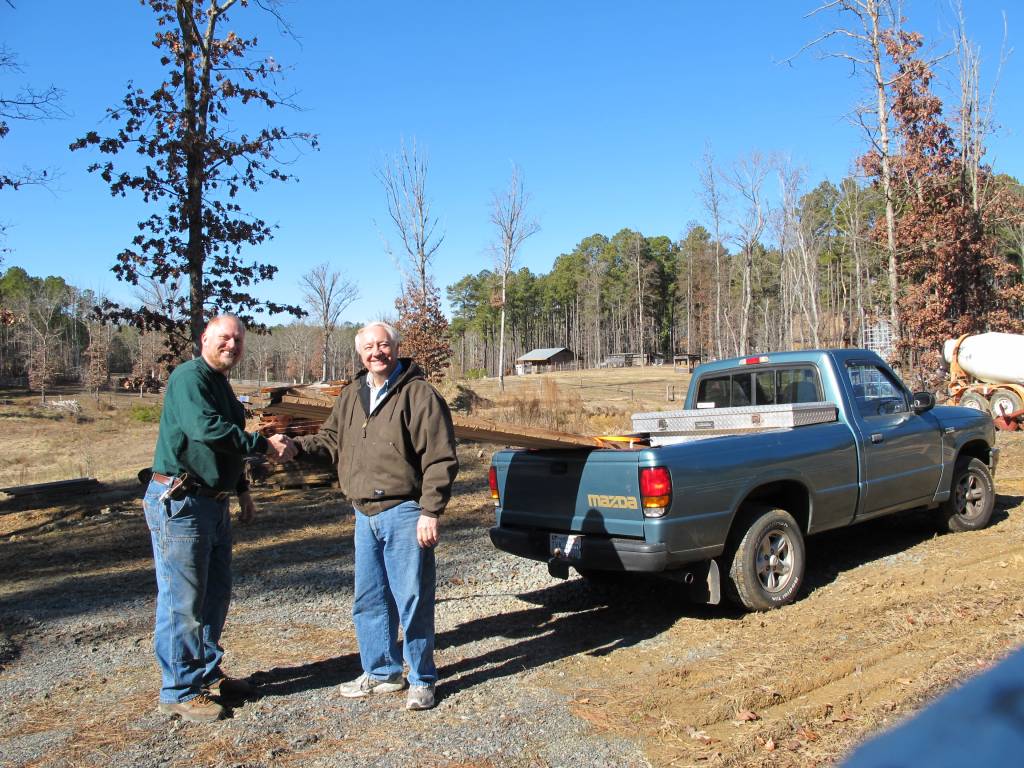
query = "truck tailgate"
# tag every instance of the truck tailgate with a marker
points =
(573, 491)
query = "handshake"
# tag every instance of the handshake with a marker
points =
(281, 448)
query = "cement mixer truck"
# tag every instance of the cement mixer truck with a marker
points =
(986, 372)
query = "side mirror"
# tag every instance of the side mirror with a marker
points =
(923, 401)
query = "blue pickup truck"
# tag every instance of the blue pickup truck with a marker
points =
(729, 512)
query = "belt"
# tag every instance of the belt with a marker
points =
(195, 490)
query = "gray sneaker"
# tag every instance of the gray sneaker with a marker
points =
(420, 697)
(364, 685)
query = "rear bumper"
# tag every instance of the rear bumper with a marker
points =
(598, 553)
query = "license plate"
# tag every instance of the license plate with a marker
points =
(566, 546)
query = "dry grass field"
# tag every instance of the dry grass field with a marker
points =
(892, 616)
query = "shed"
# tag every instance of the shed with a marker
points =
(687, 360)
(548, 359)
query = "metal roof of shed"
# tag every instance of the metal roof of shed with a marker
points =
(540, 355)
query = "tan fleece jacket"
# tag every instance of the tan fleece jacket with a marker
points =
(403, 450)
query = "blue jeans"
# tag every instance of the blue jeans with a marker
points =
(394, 583)
(192, 553)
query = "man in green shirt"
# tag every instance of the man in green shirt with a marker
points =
(196, 467)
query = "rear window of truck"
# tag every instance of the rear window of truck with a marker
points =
(772, 386)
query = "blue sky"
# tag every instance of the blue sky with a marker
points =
(605, 105)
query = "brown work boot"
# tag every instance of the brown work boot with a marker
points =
(231, 688)
(201, 709)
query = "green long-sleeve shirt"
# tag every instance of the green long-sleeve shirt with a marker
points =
(202, 429)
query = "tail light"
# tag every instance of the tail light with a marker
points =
(655, 490)
(492, 481)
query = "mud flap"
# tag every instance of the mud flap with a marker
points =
(706, 586)
(559, 569)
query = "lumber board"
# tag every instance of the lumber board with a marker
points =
(76, 485)
(483, 431)
(300, 404)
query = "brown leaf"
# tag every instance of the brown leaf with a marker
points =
(746, 716)
(769, 746)
(806, 733)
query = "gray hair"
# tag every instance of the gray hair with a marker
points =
(393, 335)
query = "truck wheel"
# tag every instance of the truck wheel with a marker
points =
(1005, 402)
(766, 566)
(974, 400)
(971, 499)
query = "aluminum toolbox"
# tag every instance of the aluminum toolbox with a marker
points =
(751, 418)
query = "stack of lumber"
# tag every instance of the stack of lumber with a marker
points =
(296, 410)
(300, 473)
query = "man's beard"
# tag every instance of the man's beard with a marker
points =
(225, 365)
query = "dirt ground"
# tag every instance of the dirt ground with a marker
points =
(892, 616)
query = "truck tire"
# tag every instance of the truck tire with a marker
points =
(971, 500)
(766, 565)
(975, 400)
(1004, 402)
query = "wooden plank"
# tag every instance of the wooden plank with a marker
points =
(313, 402)
(483, 431)
(80, 484)
(299, 403)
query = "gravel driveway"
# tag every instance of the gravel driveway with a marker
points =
(78, 683)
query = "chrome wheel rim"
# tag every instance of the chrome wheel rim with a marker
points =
(970, 496)
(774, 565)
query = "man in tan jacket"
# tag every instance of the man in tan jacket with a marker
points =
(390, 435)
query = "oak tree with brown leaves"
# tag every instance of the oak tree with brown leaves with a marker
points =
(954, 278)
(176, 147)
(424, 329)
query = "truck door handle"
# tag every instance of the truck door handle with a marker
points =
(877, 437)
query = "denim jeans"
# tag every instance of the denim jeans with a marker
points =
(394, 582)
(192, 553)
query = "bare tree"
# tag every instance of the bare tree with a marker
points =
(404, 179)
(975, 117)
(326, 295)
(27, 104)
(747, 178)
(508, 214)
(713, 201)
(97, 355)
(642, 271)
(806, 246)
(873, 19)
(851, 220)
(44, 322)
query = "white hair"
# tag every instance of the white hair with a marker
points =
(393, 335)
